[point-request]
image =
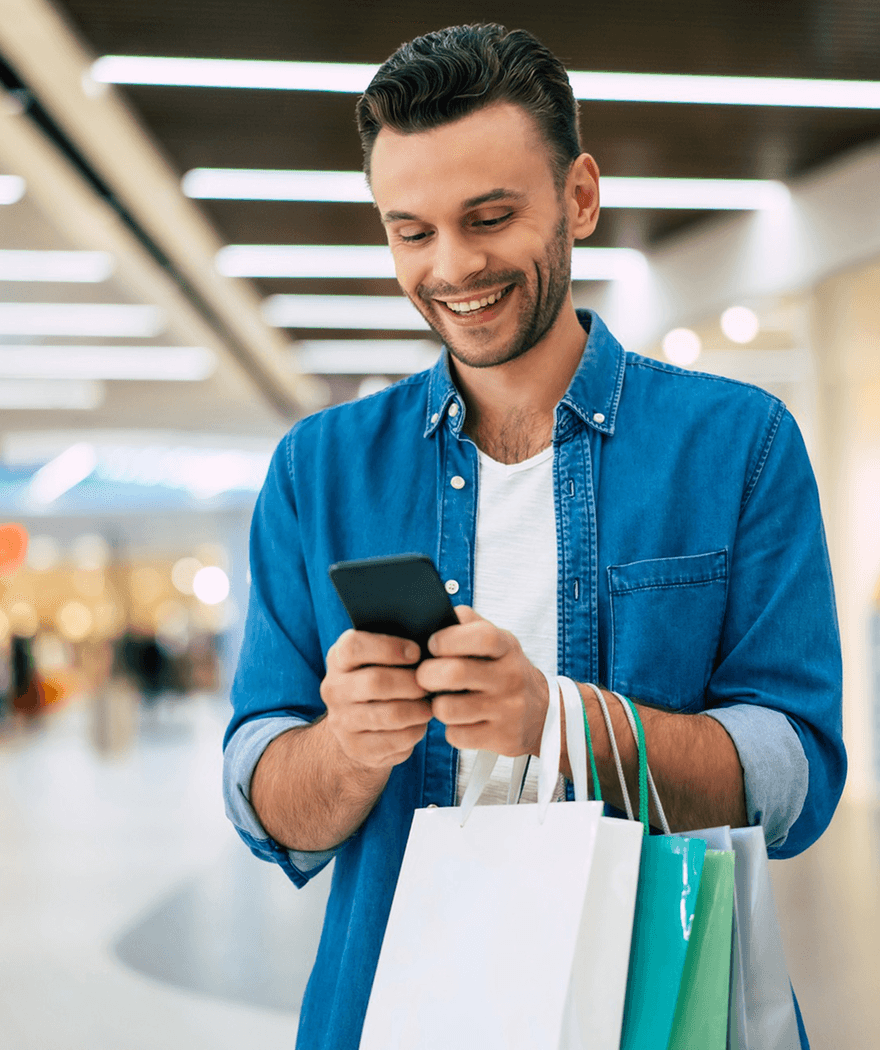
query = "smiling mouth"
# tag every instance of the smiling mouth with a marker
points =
(472, 306)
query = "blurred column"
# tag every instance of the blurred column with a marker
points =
(846, 341)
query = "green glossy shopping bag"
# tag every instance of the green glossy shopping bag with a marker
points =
(700, 1020)
(666, 899)
(669, 878)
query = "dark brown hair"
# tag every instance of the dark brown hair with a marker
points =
(454, 72)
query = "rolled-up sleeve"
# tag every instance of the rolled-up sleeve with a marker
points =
(776, 773)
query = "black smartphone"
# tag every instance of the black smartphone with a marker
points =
(401, 595)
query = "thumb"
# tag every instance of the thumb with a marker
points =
(466, 614)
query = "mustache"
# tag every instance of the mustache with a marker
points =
(487, 282)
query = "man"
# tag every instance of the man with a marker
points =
(596, 514)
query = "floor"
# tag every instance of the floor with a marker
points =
(131, 918)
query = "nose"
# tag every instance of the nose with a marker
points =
(457, 258)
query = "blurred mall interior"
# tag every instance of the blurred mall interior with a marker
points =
(189, 262)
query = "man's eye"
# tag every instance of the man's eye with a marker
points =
(496, 221)
(412, 238)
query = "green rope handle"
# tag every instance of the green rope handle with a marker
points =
(597, 789)
(643, 767)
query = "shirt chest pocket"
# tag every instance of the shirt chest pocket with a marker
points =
(666, 617)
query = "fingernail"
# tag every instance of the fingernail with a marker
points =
(411, 651)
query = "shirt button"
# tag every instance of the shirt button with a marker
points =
(453, 409)
(435, 417)
(598, 417)
(451, 586)
(457, 482)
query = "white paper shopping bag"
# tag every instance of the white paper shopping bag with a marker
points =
(512, 931)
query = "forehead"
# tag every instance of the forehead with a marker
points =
(499, 146)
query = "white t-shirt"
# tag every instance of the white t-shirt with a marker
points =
(515, 580)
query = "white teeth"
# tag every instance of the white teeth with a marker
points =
(475, 304)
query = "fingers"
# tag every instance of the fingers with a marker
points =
(376, 709)
(353, 649)
(472, 636)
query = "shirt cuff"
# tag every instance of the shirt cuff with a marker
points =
(243, 752)
(775, 768)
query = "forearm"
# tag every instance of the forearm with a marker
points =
(308, 794)
(695, 764)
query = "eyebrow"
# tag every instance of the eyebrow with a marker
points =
(500, 194)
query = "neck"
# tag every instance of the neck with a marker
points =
(510, 407)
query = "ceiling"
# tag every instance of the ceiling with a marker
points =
(117, 157)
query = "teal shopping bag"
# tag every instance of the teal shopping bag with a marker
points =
(700, 1020)
(669, 878)
(666, 899)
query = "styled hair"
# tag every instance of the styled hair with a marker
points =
(451, 73)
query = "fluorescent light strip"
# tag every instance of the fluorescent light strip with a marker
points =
(11, 189)
(375, 261)
(204, 472)
(365, 356)
(350, 78)
(726, 91)
(350, 186)
(84, 267)
(261, 184)
(378, 312)
(62, 474)
(305, 260)
(353, 78)
(86, 319)
(148, 363)
(49, 394)
(606, 264)
(695, 194)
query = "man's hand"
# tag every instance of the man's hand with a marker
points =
(487, 693)
(376, 709)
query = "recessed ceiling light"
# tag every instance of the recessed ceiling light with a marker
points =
(85, 267)
(353, 78)
(151, 363)
(88, 319)
(343, 311)
(740, 324)
(11, 189)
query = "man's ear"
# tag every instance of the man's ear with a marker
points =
(582, 192)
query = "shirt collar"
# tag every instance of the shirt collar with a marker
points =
(593, 394)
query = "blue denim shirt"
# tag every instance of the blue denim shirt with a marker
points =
(693, 574)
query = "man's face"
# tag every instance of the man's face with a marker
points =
(480, 238)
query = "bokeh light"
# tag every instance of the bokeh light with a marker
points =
(90, 551)
(740, 324)
(184, 572)
(23, 619)
(211, 585)
(682, 346)
(43, 553)
(74, 620)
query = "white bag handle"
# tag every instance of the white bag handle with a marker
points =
(560, 690)
(575, 739)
